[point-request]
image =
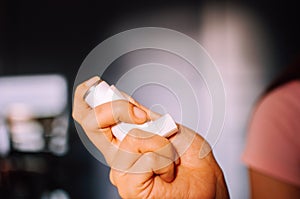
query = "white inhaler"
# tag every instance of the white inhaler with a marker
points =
(101, 93)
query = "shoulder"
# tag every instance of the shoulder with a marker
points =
(273, 141)
(284, 100)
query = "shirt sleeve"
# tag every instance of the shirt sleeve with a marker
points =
(273, 143)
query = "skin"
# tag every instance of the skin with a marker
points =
(144, 165)
(264, 186)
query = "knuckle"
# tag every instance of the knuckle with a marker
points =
(150, 158)
(112, 177)
(128, 140)
(122, 110)
(116, 111)
(77, 91)
(85, 123)
(134, 137)
(74, 115)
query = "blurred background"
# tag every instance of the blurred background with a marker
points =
(43, 43)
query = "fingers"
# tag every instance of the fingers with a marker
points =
(143, 155)
(105, 115)
(80, 107)
(183, 139)
(82, 113)
(143, 159)
(85, 116)
(111, 113)
(166, 173)
(157, 164)
(150, 114)
(140, 151)
(96, 122)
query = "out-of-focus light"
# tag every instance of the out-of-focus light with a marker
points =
(238, 42)
(44, 95)
(4, 139)
(34, 113)
(56, 194)
(26, 134)
(58, 143)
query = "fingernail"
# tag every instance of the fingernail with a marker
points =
(91, 81)
(138, 112)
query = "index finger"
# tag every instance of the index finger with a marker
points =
(80, 108)
(82, 88)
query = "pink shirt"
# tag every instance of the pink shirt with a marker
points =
(273, 144)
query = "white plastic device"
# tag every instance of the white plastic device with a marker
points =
(101, 93)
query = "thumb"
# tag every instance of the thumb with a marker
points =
(111, 113)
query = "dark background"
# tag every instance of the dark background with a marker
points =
(39, 37)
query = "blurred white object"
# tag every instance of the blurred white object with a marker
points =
(56, 194)
(4, 139)
(164, 126)
(27, 136)
(102, 93)
(44, 95)
(34, 114)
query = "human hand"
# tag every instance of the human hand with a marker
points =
(96, 122)
(145, 165)
(190, 176)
